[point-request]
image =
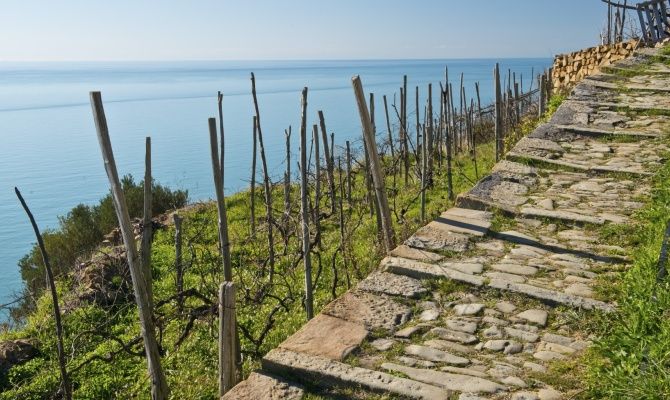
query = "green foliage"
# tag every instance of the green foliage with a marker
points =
(631, 360)
(82, 230)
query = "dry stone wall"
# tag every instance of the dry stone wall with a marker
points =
(570, 69)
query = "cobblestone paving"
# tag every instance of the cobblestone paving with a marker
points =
(481, 302)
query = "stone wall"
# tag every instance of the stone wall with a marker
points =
(571, 68)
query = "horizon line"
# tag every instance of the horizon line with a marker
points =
(273, 59)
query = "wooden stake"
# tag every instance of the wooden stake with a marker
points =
(159, 388)
(252, 187)
(304, 209)
(349, 173)
(498, 113)
(287, 178)
(375, 164)
(266, 183)
(317, 184)
(228, 374)
(147, 228)
(65, 380)
(388, 127)
(224, 243)
(329, 162)
(179, 267)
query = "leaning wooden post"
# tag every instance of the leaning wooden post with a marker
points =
(304, 208)
(429, 132)
(159, 388)
(498, 112)
(224, 243)
(266, 182)
(179, 268)
(252, 187)
(147, 228)
(329, 162)
(287, 178)
(375, 164)
(67, 389)
(228, 356)
(448, 135)
(388, 128)
(317, 184)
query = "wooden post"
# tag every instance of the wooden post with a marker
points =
(498, 113)
(252, 187)
(448, 133)
(304, 209)
(159, 388)
(543, 93)
(403, 124)
(228, 374)
(424, 170)
(471, 121)
(179, 267)
(266, 182)
(287, 178)
(418, 127)
(65, 380)
(329, 162)
(147, 228)
(373, 194)
(224, 243)
(388, 128)
(375, 164)
(317, 184)
(349, 173)
(429, 139)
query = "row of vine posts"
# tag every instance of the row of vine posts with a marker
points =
(437, 140)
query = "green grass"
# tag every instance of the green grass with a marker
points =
(631, 359)
(190, 363)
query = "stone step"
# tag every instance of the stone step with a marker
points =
(260, 385)
(590, 131)
(600, 169)
(323, 372)
(421, 270)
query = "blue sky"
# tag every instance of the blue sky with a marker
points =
(84, 30)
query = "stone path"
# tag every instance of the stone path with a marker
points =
(481, 302)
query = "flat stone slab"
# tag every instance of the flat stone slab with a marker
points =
(260, 386)
(466, 221)
(326, 336)
(369, 310)
(437, 236)
(331, 373)
(532, 212)
(550, 295)
(393, 285)
(537, 317)
(420, 270)
(455, 382)
(431, 354)
(586, 130)
(468, 309)
(516, 269)
(412, 253)
(454, 336)
(448, 345)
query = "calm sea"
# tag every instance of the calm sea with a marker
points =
(48, 145)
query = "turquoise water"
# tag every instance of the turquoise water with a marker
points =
(49, 149)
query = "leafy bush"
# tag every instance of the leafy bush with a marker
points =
(83, 229)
